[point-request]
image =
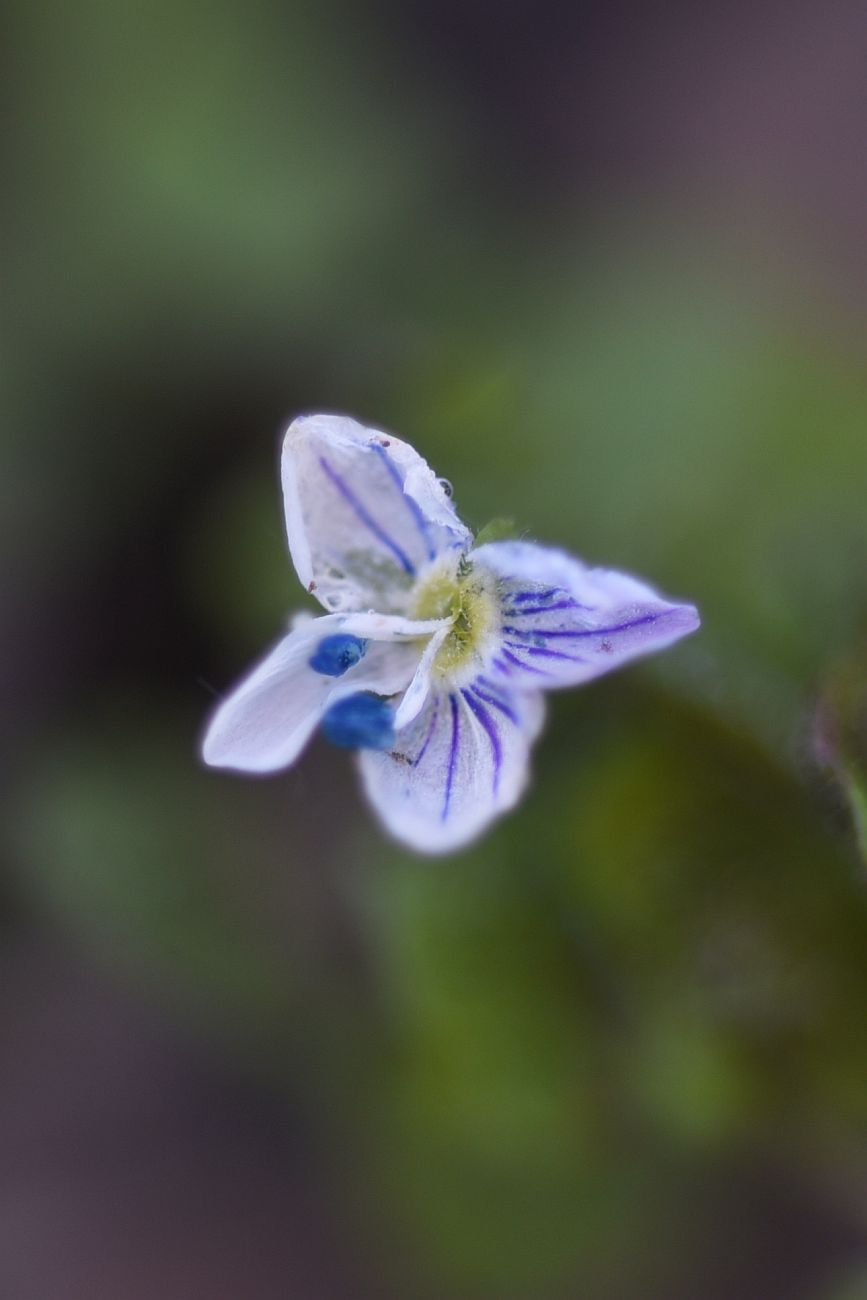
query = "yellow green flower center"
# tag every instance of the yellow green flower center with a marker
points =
(468, 596)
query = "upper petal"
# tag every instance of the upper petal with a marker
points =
(463, 761)
(270, 715)
(364, 512)
(564, 623)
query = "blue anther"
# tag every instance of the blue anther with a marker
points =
(336, 654)
(362, 721)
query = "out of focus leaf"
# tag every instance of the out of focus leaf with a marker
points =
(841, 734)
(497, 1139)
(853, 1287)
(237, 569)
(858, 798)
(125, 839)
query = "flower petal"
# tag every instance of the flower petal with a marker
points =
(266, 721)
(390, 627)
(364, 512)
(419, 688)
(460, 763)
(564, 623)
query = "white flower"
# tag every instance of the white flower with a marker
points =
(433, 656)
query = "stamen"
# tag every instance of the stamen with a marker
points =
(362, 721)
(336, 654)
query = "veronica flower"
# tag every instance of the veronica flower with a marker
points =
(434, 654)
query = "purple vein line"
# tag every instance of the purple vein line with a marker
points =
(493, 735)
(430, 731)
(522, 596)
(413, 506)
(493, 687)
(366, 518)
(528, 668)
(587, 632)
(545, 653)
(504, 708)
(453, 755)
(526, 610)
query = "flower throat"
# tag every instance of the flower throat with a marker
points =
(466, 595)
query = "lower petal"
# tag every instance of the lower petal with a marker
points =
(463, 761)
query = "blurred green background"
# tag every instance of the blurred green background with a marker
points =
(604, 266)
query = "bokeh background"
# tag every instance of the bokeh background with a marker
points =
(604, 265)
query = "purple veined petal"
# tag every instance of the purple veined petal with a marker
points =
(564, 623)
(490, 695)
(489, 725)
(541, 607)
(513, 661)
(363, 516)
(424, 528)
(544, 652)
(364, 513)
(537, 594)
(434, 713)
(454, 751)
(637, 618)
(461, 762)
